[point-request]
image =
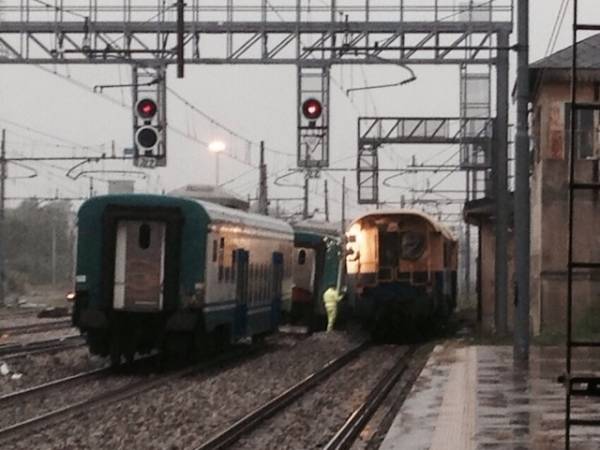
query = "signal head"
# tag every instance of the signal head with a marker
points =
(146, 108)
(312, 109)
(146, 137)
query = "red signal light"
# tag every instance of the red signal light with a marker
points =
(312, 109)
(146, 108)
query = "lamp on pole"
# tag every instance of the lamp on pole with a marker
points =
(216, 147)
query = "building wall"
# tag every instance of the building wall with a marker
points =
(549, 225)
(488, 279)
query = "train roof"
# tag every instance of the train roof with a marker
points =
(214, 213)
(312, 226)
(218, 213)
(437, 226)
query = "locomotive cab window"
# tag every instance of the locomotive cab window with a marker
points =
(144, 236)
(412, 245)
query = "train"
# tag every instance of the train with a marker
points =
(177, 274)
(317, 264)
(183, 275)
(401, 269)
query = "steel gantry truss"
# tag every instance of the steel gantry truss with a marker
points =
(300, 32)
(374, 132)
(235, 32)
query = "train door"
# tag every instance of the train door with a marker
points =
(139, 265)
(303, 292)
(278, 274)
(242, 258)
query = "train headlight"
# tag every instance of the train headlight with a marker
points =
(71, 296)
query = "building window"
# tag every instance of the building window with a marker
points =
(585, 133)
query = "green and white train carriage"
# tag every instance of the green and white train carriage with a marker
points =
(158, 271)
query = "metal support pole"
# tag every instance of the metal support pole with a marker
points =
(180, 38)
(53, 248)
(263, 203)
(501, 188)
(217, 169)
(343, 221)
(522, 200)
(326, 194)
(467, 255)
(2, 205)
(305, 195)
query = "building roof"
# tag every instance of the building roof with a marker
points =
(588, 56)
(557, 66)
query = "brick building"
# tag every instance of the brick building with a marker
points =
(550, 98)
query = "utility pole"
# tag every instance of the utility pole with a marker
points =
(91, 187)
(343, 224)
(53, 248)
(522, 200)
(263, 202)
(2, 206)
(305, 196)
(180, 38)
(326, 192)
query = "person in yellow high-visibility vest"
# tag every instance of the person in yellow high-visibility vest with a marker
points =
(331, 298)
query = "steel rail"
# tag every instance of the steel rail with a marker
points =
(346, 435)
(10, 351)
(36, 327)
(35, 424)
(40, 388)
(249, 422)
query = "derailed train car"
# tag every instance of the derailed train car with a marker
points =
(315, 267)
(159, 272)
(402, 269)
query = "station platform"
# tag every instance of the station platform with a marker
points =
(471, 397)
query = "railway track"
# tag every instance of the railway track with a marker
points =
(72, 381)
(356, 422)
(147, 383)
(36, 327)
(11, 351)
(252, 420)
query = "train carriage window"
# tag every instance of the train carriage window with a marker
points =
(144, 236)
(412, 245)
(214, 251)
(301, 257)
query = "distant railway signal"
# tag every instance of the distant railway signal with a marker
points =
(146, 137)
(146, 108)
(312, 109)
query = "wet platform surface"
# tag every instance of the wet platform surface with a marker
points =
(472, 397)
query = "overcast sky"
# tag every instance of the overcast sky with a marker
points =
(257, 102)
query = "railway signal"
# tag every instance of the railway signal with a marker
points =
(312, 109)
(146, 136)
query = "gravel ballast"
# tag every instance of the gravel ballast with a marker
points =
(188, 411)
(314, 419)
(43, 367)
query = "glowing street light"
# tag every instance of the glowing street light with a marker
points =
(216, 147)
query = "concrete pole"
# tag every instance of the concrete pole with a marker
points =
(263, 202)
(305, 196)
(501, 188)
(522, 199)
(326, 194)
